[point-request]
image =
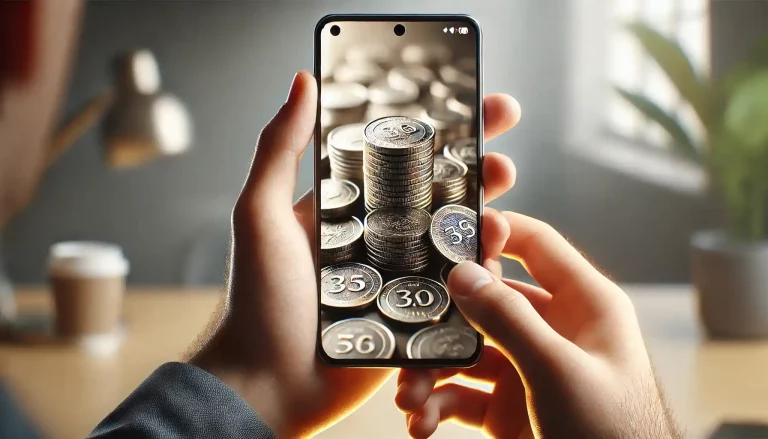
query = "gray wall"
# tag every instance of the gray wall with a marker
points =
(232, 64)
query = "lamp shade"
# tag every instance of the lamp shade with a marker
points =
(144, 123)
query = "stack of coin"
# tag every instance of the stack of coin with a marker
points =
(337, 198)
(387, 100)
(449, 125)
(397, 239)
(398, 162)
(339, 240)
(449, 184)
(345, 151)
(341, 104)
(465, 151)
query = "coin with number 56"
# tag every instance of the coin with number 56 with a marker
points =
(454, 233)
(358, 338)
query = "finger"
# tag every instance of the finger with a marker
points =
(494, 266)
(538, 297)
(498, 175)
(494, 235)
(554, 263)
(304, 211)
(272, 177)
(450, 402)
(503, 314)
(416, 385)
(501, 113)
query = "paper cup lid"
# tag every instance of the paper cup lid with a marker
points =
(87, 258)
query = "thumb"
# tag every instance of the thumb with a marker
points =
(504, 315)
(272, 177)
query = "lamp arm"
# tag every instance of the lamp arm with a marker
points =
(79, 124)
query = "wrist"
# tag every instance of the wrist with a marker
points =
(254, 385)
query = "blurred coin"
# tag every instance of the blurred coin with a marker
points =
(377, 53)
(349, 285)
(411, 74)
(464, 102)
(430, 55)
(445, 341)
(463, 150)
(467, 64)
(454, 233)
(342, 96)
(358, 338)
(414, 299)
(337, 198)
(449, 125)
(377, 111)
(452, 75)
(345, 150)
(361, 73)
(382, 92)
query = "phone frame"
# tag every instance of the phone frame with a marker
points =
(395, 18)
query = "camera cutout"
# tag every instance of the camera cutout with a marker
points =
(335, 30)
(399, 30)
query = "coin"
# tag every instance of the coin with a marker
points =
(360, 73)
(449, 183)
(443, 341)
(452, 75)
(463, 150)
(345, 151)
(337, 198)
(413, 110)
(382, 92)
(397, 135)
(414, 73)
(349, 285)
(358, 338)
(449, 125)
(337, 234)
(397, 223)
(413, 299)
(430, 55)
(380, 54)
(454, 233)
(342, 96)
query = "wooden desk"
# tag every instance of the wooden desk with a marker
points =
(68, 393)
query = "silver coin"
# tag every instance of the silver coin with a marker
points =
(342, 96)
(464, 150)
(413, 110)
(336, 234)
(414, 299)
(444, 341)
(358, 338)
(444, 118)
(441, 91)
(337, 197)
(414, 73)
(351, 285)
(397, 135)
(347, 138)
(398, 270)
(399, 224)
(383, 93)
(453, 75)
(454, 233)
(447, 170)
(464, 102)
(360, 72)
(426, 54)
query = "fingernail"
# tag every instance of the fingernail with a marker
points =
(294, 88)
(466, 278)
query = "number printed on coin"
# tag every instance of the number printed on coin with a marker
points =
(443, 341)
(335, 234)
(349, 285)
(398, 132)
(358, 338)
(336, 194)
(398, 222)
(454, 233)
(414, 299)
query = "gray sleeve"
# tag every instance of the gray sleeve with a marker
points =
(183, 401)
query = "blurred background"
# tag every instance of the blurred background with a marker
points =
(631, 209)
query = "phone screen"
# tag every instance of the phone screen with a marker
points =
(399, 201)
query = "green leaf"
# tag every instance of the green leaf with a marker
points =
(756, 60)
(682, 141)
(746, 115)
(670, 57)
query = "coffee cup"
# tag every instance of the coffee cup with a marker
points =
(88, 283)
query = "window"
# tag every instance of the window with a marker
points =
(685, 21)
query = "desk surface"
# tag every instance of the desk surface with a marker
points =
(68, 393)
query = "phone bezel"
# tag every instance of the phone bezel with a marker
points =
(456, 18)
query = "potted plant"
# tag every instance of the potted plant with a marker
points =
(730, 266)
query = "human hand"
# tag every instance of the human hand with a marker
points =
(570, 361)
(263, 342)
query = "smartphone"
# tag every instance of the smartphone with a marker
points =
(398, 148)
